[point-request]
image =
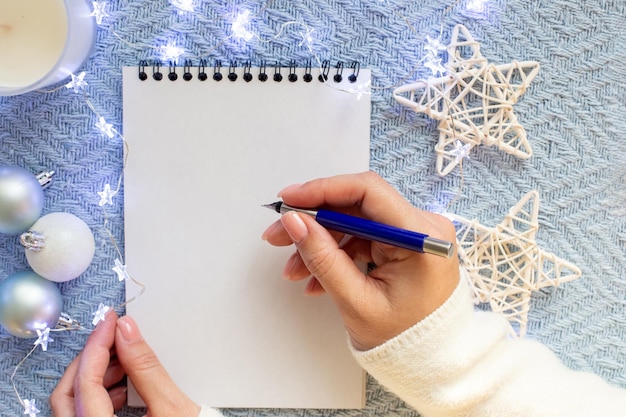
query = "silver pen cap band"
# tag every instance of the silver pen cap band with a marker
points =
(438, 247)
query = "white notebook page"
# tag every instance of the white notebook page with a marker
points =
(203, 157)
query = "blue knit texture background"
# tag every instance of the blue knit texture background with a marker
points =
(573, 114)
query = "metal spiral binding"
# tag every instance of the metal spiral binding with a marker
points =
(246, 71)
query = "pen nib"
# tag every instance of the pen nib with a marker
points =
(274, 206)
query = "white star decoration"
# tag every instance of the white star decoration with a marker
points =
(78, 82)
(434, 46)
(433, 62)
(184, 5)
(106, 196)
(435, 66)
(460, 151)
(473, 100)
(43, 338)
(239, 26)
(100, 314)
(105, 128)
(505, 264)
(361, 89)
(98, 11)
(120, 270)
(30, 409)
(476, 7)
(171, 52)
(307, 39)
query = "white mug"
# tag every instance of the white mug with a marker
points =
(42, 42)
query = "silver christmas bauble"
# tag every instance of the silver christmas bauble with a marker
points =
(29, 302)
(21, 199)
(67, 248)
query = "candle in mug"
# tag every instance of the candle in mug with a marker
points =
(42, 42)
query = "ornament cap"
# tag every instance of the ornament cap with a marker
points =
(45, 178)
(33, 241)
(66, 322)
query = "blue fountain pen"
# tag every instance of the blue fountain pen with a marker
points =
(371, 230)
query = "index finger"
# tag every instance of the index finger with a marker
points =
(92, 398)
(366, 194)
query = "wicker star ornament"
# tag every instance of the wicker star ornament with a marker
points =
(505, 264)
(473, 101)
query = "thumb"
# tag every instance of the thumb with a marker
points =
(151, 380)
(332, 267)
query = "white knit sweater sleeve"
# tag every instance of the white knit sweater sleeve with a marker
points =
(461, 362)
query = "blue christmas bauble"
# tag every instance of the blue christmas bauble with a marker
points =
(29, 302)
(21, 199)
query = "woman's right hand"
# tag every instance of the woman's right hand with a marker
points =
(405, 286)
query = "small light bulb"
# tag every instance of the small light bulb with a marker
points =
(171, 52)
(476, 9)
(78, 83)
(461, 151)
(106, 196)
(43, 338)
(120, 270)
(307, 39)
(99, 11)
(105, 128)
(239, 29)
(184, 5)
(30, 409)
(100, 314)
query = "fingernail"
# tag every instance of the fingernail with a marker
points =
(288, 188)
(295, 227)
(266, 234)
(128, 329)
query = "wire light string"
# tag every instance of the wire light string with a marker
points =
(66, 323)
(171, 53)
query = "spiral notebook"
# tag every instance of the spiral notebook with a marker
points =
(207, 146)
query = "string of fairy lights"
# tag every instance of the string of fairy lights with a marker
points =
(240, 29)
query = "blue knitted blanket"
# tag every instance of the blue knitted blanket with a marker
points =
(573, 113)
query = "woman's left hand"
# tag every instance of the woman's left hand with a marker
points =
(89, 386)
